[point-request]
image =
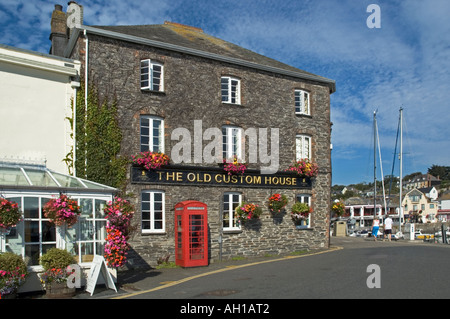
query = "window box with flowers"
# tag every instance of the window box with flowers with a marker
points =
(304, 168)
(233, 166)
(248, 212)
(151, 160)
(300, 214)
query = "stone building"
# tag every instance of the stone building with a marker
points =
(183, 92)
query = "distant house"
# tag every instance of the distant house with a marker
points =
(430, 192)
(418, 207)
(421, 181)
(444, 207)
(360, 210)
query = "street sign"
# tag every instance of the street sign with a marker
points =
(99, 266)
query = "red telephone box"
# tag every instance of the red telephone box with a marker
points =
(191, 234)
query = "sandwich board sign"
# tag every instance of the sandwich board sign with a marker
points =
(99, 266)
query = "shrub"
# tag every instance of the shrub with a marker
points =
(13, 271)
(56, 258)
(11, 261)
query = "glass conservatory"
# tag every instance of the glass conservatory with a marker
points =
(31, 186)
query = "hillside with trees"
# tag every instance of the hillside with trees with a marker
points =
(391, 184)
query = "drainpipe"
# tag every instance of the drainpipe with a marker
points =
(86, 64)
(74, 127)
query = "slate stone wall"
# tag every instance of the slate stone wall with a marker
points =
(192, 92)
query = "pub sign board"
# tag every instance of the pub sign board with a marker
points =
(211, 176)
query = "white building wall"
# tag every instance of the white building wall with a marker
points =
(35, 99)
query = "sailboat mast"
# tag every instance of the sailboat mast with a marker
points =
(401, 171)
(374, 163)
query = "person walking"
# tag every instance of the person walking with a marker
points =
(375, 227)
(388, 227)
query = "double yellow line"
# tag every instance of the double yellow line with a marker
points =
(227, 268)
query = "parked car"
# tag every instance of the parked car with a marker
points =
(419, 235)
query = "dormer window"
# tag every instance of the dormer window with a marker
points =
(231, 90)
(152, 75)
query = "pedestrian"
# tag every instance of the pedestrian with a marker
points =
(388, 227)
(375, 227)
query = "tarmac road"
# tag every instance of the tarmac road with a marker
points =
(402, 269)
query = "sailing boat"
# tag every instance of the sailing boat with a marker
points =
(400, 156)
(377, 141)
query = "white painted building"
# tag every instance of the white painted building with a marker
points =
(35, 99)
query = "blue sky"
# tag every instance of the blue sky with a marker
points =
(405, 63)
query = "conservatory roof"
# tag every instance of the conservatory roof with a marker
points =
(36, 176)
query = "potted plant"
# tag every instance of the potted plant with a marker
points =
(304, 168)
(54, 278)
(299, 213)
(277, 202)
(62, 211)
(151, 160)
(248, 211)
(9, 214)
(13, 272)
(118, 216)
(233, 166)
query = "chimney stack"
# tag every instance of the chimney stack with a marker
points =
(58, 35)
(62, 25)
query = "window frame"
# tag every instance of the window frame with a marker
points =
(226, 90)
(151, 137)
(151, 211)
(231, 142)
(69, 239)
(230, 211)
(299, 102)
(151, 75)
(305, 198)
(300, 153)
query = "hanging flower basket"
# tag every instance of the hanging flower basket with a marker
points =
(338, 208)
(248, 211)
(233, 167)
(151, 160)
(118, 216)
(277, 202)
(300, 212)
(304, 168)
(62, 211)
(9, 213)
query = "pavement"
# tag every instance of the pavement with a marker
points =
(132, 283)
